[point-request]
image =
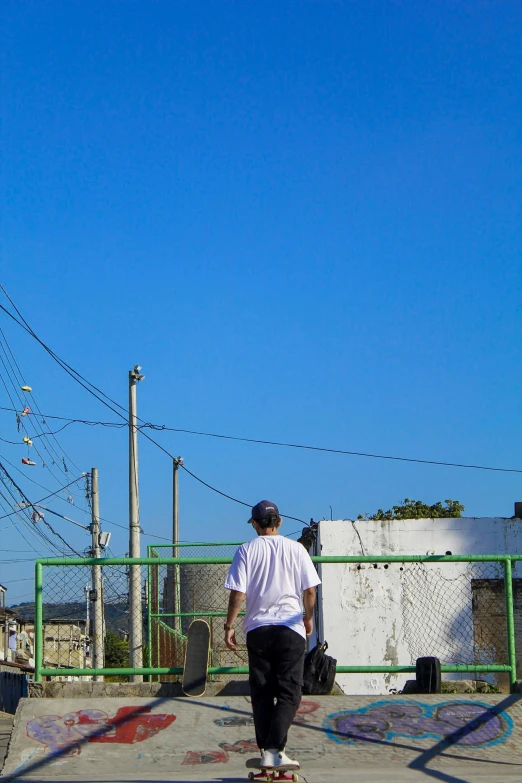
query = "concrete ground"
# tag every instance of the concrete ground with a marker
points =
(337, 739)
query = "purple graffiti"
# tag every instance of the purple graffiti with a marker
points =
(457, 722)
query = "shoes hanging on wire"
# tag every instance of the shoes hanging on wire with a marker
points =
(26, 461)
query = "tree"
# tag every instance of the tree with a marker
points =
(416, 509)
(116, 651)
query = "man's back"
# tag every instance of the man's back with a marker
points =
(273, 571)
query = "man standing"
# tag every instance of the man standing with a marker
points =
(277, 577)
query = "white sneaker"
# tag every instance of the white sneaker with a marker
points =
(282, 760)
(267, 759)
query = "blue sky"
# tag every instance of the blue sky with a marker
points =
(302, 220)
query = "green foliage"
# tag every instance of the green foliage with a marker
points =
(416, 509)
(116, 651)
(116, 655)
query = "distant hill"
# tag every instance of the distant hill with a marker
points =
(116, 615)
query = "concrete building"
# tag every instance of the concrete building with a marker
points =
(15, 644)
(66, 645)
(392, 614)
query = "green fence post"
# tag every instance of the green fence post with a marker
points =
(510, 623)
(38, 629)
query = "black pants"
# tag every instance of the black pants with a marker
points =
(275, 659)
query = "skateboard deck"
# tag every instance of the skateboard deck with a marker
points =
(270, 774)
(196, 659)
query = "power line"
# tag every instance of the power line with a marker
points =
(35, 437)
(15, 550)
(283, 444)
(52, 494)
(20, 530)
(26, 500)
(61, 516)
(19, 560)
(68, 369)
(77, 376)
(115, 424)
(11, 375)
(35, 403)
(332, 451)
(88, 386)
(242, 502)
(308, 447)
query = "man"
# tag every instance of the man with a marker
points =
(277, 577)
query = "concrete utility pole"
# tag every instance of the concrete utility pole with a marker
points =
(98, 634)
(173, 576)
(135, 610)
(175, 536)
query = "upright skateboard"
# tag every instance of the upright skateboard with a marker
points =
(196, 659)
(271, 774)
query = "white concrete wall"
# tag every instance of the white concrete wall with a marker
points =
(367, 612)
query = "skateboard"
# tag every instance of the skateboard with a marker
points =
(271, 774)
(196, 659)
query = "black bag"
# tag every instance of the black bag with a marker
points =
(319, 671)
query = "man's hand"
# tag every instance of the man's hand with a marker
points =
(234, 605)
(230, 639)
(309, 603)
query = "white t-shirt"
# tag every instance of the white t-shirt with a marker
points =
(273, 571)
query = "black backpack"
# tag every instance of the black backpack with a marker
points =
(319, 671)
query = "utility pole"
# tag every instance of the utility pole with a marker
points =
(173, 572)
(98, 658)
(135, 609)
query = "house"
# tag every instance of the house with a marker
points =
(16, 647)
(66, 645)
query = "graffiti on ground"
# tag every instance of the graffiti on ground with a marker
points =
(305, 709)
(241, 746)
(205, 757)
(236, 720)
(464, 723)
(66, 733)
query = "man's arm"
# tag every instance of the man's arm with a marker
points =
(235, 601)
(309, 603)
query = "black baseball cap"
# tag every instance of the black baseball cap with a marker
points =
(262, 510)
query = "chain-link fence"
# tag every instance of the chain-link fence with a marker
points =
(466, 611)
(457, 613)
(71, 607)
(179, 594)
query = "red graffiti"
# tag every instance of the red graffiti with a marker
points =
(67, 733)
(127, 727)
(241, 746)
(205, 757)
(306, 708)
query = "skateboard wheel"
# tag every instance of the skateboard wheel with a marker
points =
(251, 776)
(295, 777)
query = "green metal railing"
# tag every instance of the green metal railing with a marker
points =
(506, 561)
(164, 628)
